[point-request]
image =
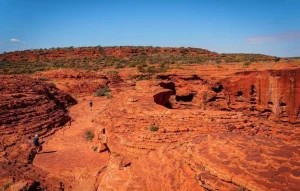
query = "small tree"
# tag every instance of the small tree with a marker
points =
(141, 68)
(151, 69)
(103, 91)
(88, 135)
(153, 128)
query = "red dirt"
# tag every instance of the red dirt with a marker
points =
(75, 161)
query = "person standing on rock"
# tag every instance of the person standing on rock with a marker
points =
(36, 143)
(103, 141)
(91, 104)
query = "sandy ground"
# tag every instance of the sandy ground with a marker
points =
(68, 155)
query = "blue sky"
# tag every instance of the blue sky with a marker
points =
(225, 26)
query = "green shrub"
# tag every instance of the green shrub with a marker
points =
(103, 91)
(96, 148)
(277, 59)
(151, 69)
(141, 68)
(153, 128)
(88, 135)
(118, 65)
(247, 63)
(7, 185)
(163, 68)
(115, 72)
(143, 77)
(43, 78)
(132, 64)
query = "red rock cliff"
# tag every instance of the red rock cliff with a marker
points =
(27, 107)
(275, 91)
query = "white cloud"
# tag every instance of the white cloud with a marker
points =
(15, 40)
(288, 36)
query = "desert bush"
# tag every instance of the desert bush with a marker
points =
(96, 148)
(151, 69)
(114, 72)
(247, 63)
(141, 68)
(132, 64)
(218, 61)
(88, 135)
(277, 59)
(153, 128)
(143, 77)
(43, 78)
(6, 186)
(163, 69)
(118, 65)
(103, 91)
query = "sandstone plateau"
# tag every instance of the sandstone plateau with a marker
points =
(193, 127)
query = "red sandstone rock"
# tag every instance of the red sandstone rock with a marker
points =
(195, 148)
(204, 139)
(270, 91)
(27, 107)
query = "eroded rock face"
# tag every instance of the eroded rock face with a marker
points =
(220, 148)
(277, 92)
(219, 133)
(27, 107)
(272, 93)
(75, 81)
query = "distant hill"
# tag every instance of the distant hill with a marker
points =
(95, 58)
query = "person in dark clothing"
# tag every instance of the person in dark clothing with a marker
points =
(36, 143)
(61, 186)
(91, 104)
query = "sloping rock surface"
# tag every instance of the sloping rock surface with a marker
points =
(27, 107)
(220, 148)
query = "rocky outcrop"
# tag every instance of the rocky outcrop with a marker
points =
(76, 82)
(190, 148)
(192, 128)
(27, 107)
(276, 92)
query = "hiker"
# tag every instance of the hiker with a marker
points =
(61, 186)
(91, 104)
(103, 141)
(36, 143)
